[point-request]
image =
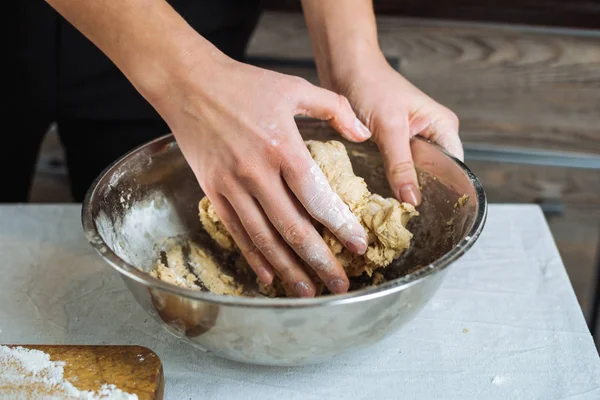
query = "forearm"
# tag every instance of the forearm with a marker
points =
(343, 35)
(146, 39)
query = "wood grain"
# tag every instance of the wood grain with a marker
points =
(508, 85)
(133, 369)
(569, 13)
(577, 189)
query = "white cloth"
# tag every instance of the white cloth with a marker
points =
(505, 323)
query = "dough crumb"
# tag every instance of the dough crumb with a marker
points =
(188, 266)
(213, 225)
(462, 200)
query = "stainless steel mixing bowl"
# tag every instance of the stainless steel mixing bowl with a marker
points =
(151, 194)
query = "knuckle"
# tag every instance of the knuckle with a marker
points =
(252, 255)
(296, 233)
(262, 241)
(232, 225)
(342, 104)
(401, 168)
(323, 266)
(299, 83)
(318, 202)
(397, 126)
(228, 183)
(287, 272)
(452, 118)
(247, 171)
(276, 149)
(292, 165)
(208, 187)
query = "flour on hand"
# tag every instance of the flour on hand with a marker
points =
(383, 219)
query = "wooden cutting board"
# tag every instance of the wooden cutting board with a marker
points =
(132, 369)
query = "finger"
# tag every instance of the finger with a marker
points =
(310, 186)
(445, 133)
(269, 243)
(258, 263)
(323, 104)
(393, 141)
(294, 225)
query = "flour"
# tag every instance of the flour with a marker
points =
(30, 374)
(317, 256)
(324, 204)
(499, 380)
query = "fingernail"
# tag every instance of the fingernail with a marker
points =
(357, 244)
(362, 129)
(410, 194)
(303, 290)
(337, 286)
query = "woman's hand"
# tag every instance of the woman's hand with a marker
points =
(235, 125)
(395, 111)
(350, 62)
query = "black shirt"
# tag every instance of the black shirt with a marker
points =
(58, 70)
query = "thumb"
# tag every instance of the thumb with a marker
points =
(394, 143)
(445, 133)
(326, 105)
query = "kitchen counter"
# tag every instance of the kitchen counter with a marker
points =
(504, 324)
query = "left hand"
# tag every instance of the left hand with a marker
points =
(394, 111)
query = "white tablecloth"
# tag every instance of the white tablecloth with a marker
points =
(505, 323)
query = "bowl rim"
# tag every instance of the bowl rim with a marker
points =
(365, 294)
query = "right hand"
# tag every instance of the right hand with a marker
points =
(235, 126)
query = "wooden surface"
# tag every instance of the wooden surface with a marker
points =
(578, 190)
(567, 13)
(133, 369)
(509, 86)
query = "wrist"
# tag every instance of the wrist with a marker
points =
(348, 63)
(187, 63)
(344, 39)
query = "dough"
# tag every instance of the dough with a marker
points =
(384, 219)
(213, 226)
(188, 266)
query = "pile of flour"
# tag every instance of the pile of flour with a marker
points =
(29, 374)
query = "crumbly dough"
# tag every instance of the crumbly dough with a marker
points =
(188, 266)
(384, 219)
(213, 226)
